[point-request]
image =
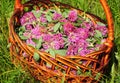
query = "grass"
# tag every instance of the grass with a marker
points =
(12, 74)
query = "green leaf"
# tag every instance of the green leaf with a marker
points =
(100, 23)
(26, 9)
(48, 65)
(56, 27)
(65, 14)
(39, 44)
(37, 14)
(57, 9)
(22, 28)
(98, 34)
(79, 71)
(63, 78)
(61, 52)
(61, 29)
(80, 49)
(9, 44)
(97, 76)
(36, 56)
(49, 18)
(23, 37)
(89, 73)
(52, 52)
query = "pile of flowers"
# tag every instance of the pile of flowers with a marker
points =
(63, 32)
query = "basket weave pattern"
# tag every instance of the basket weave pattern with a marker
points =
(95, 62)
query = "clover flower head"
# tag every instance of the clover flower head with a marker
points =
(43, 19)
(56, 16)
(36, 32)
(27, 18)
(72, 16)
(30, 42)
(72, 50)
(68, 27)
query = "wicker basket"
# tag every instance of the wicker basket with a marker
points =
(54, 74)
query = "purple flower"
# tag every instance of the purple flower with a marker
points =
(56, 45)
(72, 15)
(28, 26)
(36, 32)
(72, 50)
(74, 72)
(57, 41)
(43, 19)
(84, 51)
(63, 20)
(45, 46)
(56, 16)
(27, 18)
(82, 43)
(27, 34)
(68, 27)
(30, 42)
(102, 29)
(73, 37)
(87, 25)
(47, 37)
(25, 55)
(83, 32)
(53, 41)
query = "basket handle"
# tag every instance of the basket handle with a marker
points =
(109, 22)
(18, 5)
(104, 4)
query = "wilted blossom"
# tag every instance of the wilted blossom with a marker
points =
(72, 16)
(68, 27)
(30, 42)
(27, 18)
(56, 16)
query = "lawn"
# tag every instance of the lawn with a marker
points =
(12, 74)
